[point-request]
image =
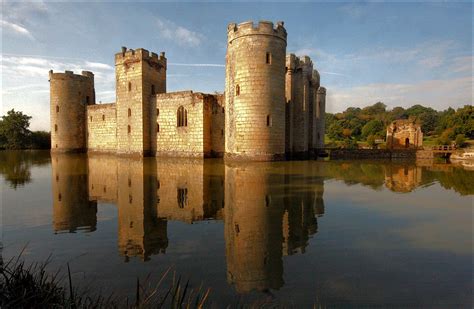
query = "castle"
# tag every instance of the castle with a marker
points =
(273, 106)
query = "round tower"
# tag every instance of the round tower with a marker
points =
(69, 96)
(255, 91)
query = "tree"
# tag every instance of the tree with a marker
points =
(335, 131)
(371, 141)
(460, 140)
(14, 133)
(374, 128)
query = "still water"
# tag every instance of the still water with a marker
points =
(358, 233)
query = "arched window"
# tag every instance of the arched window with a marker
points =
(57, 109)
(269, 121)
(182, 117)
(129, 112)
(237, 90)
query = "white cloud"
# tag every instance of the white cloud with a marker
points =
(439, 94)
(180, 35)
(16, 29)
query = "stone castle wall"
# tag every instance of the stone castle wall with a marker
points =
(218, 126)
(251, 121)
(404, 134)
(305, 107)
(102, 128)
(255, 91)
(139, 75)
(70, 94)
(187, 140)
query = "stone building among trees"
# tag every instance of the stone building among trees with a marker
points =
(403, 134)
(273, 106)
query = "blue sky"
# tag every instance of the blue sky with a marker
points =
(398, 53)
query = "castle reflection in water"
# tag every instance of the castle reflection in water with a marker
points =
(263, 218)
(269, 209)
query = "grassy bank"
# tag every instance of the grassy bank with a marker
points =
(31, 286)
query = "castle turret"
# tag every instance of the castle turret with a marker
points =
(139, 75)
(318, 138)
(255, 91)
(69, 96)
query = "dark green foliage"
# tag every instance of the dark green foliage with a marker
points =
(40, 140)
(374, 119)
(14, 133)
(14, 130)
(373, 127)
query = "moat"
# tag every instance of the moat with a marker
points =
(362, 233)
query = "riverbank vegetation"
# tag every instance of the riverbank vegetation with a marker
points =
(15, 133)
(366, 127)
(31, 286)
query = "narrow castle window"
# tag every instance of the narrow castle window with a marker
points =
(267, 200)
(157, 127)
(59, 197)
(55, 128)
(152, 89)
(237, 90)
(269, 121)
(157, 112)
(182, 197)
(129, 129)
(129, 86)
(129, 112)
(57, 109)
(182, 117)
(90, 118)
(103, 117)
(269, 58)
(87, 99)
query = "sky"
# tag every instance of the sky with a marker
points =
(397, 53)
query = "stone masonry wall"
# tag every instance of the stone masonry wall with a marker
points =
(101, 128)
(70, 94)
(139, 74)
(218, 126)
(185, 141)
(255, 91)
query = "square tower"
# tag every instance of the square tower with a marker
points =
(139, 76)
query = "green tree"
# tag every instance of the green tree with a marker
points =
(460, 140)
(371, 141)
(335, 131)
(14, 133)
(374, 128)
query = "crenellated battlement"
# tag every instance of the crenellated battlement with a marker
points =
(85, 75)
(247, 28)
(304, 63)
(140, 54)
